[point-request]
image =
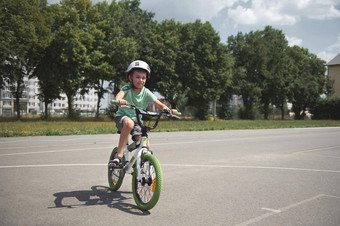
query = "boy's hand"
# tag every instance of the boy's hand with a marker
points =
(122, 102)
(174, 111)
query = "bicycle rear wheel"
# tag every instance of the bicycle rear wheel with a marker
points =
(147, 191)
(115, 176)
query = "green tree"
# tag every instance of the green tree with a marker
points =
(74, 37)
(25, 31)
(47, 69)
(249, 69)
(308, 80)
(276, 70)
(49, 81)
(110, 52)
(137, 24)
(204, 65)
(164, 78)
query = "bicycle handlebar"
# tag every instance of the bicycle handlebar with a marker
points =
(140, 111)
(116, 102)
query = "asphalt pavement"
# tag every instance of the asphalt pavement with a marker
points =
(238, 177)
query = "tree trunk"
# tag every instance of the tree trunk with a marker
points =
(46, 109)
(266, 110)
(17, 99)
(214, 110)
(100, 94)
(297, 111)
(70, 113)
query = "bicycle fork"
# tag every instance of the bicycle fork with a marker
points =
(137, 157)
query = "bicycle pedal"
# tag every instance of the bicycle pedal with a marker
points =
(116, 167)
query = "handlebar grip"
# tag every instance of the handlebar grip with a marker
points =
(115, 102)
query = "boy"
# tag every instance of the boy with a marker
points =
(136, 94)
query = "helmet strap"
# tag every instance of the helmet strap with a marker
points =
(132, 85)
(131, 82)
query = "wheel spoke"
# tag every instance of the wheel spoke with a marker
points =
(147, 191)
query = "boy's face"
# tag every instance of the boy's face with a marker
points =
(138, 79)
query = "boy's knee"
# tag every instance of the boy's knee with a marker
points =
(128, 123)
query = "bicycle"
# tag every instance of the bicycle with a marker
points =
(147, 176)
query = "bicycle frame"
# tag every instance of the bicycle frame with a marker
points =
(137, 156)
(140, 146)
(143, 165)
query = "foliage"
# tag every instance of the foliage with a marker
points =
(308, 80)
(110, 111)
(110, 51)
(204, 65)
(328, 108)
(24, 30)
(276, 73)
(246, 48)
(267, 71)
(166, 46)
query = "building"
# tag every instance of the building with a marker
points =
(334, 73)
(30, 103)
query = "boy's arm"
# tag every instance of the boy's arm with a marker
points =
(161, 106)
(119, 97)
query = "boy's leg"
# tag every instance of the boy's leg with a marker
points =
(124, 135)
(137, 134)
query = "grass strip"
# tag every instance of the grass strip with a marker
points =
(58, 128)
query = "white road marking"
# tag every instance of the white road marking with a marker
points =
(63, 150)
(56, 145)
(180, 165)
(251, 167)
(153, 144)
(325, 156)
(315, 149)
(272, 213)
(50, 165)
(271, 210)
(113, 144)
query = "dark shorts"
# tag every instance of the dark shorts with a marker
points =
(137, 130)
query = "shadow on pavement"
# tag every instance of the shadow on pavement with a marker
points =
(98, 195)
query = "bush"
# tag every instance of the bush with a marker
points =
(73, 115)
(326, 108)
(225, 111)
(111, 111)
(244, 114)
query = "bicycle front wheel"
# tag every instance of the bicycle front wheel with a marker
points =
(115, 176)
(147, 191)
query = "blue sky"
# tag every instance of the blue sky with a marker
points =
(312, 24)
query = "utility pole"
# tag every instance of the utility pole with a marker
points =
(214, 110)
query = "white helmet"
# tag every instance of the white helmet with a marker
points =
(138, 64)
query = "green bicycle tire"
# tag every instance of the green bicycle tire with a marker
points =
(116, 181)
(155, 188)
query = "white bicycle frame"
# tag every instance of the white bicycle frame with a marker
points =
(138, 152)
(137, 156)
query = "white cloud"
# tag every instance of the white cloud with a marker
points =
(326, 56)
(292, 41)
(187, 11)
(320, 11)
(283, 12)
(331, 51)
(260, 14)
